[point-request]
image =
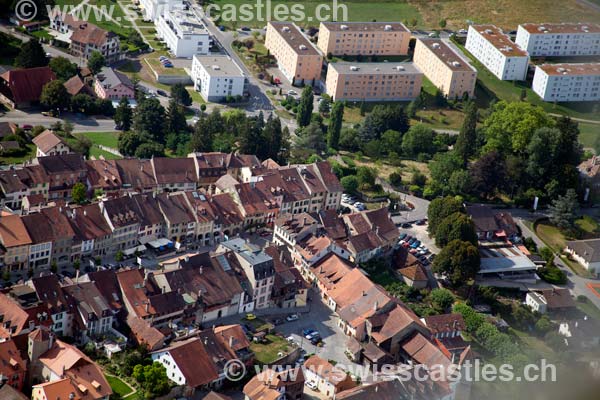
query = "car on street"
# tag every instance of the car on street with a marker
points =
(311, 385)
(316, 340)
(406, 225)
(291, 318)
(462, 31)
(402, 235)
(312, 335)
(250, 317)
(421, 222)
(27, 127)
(307, 331)
(292, 93)
(290, 339)
(245, 29)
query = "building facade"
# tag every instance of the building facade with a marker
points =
(555, 40)
(567, 82)
(296, 56)
(445, 68)
(363, 38)
(495, 50)
(217, 77)
(183, 32)
(373, 81)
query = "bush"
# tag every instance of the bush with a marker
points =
(396, 178)
(552, 274)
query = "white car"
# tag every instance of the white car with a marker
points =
(290, 339)
(292, 93)
(293, 317)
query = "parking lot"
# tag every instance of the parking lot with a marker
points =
(321, 319)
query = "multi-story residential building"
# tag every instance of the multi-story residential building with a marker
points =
(154, 8)
(92, 230)
(555, 40)
(15, 242)
(184, 34)
(443, 65)
(13, 367)
(16, 184)
(174, 174)
(179, 217)
(567, 82)
(63, 171)
(296, 56)
(217, 77)
(49, 292)
(373, 81)
(85, 37)
(112, 85)
(257, 266)
(123, 222)
(93, 316)
(48, 143)
(494, 49)
(363, 38)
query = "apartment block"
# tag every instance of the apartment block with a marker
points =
(363, 38)
(154, 8)
(445, 67)
(373, 81)
(494, 49)
(297, 58)
(551, 40)
(218, 76)
(567, 82)
(183, 32)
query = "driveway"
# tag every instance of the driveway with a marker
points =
(420, 205)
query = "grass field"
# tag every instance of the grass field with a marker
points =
(589, 134)
(120, 388)
(96, 152)
(266, 353)
(358, 10)
(109, 139)
(506, 13)
(17, 160)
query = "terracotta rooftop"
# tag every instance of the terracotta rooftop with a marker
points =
(47, 140)
(193, 361)
(13, 232)
(499, 40)
(554, 28)
(365, 26)
(447, 54)
(294, 38)
(582, 69)
(25, 85)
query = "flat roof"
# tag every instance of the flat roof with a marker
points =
(571, 69)
(187, 22)
(294, 38)
(581, 27)
(504, 259)
(499, 40)
(380, 68)
(219, 65)
(366, 26)
(447, 54)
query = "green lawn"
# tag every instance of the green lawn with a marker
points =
(588, 225)
(358, 10)
(97, 152)
(120, 388)
(109, 139)
(17, 160)
(266, 353)
(589, 134)
(589, 308)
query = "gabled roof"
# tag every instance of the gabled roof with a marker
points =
(7, 392)
(75, 85)
(108, 285)
(47, 140)
(175, 208)
(88, 33)
(174, 170)
(414, 272)
(136, 174)
(62, 163)
(13, 232)
(394, 322)
(323, 368)
(11, 361)
(588, 249)
(445, 323)
(330, 269)
(50, 292)
(111, 78)
(25, 85)
(194, 362)
(422, 351)
(144, 333)
(232, 335)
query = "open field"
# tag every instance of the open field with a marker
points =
(358, 10)
(268, 352)
(96, 152)
(506, 13)
(109, 139)
(120, 388)
(589, 134)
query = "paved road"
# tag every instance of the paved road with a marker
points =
(80, 122)
(420, 205)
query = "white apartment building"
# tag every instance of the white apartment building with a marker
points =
(184, 33)
(568, 39)
(567, 82)
(218, 76)
(154, 8)
(497, 52)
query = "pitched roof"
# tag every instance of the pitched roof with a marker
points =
(422, 351)
(588, 249)
(7, 392)
(232, 335)
(11, 361)
(144, 333)
(330, 269)
(13, 232)
(136, 174)
(61, 163)
(108, 285)
(25, 85)
(49, 291)
(89, 33)
(75, 85)
(445, 323)
(395, 321)
(174, 170)
(111, 77)
(47, 140)
(323, 368)
(265, 385)
(557, 298)
(193, 361)
(415, 273)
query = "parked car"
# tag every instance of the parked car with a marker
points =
(462, 31)
(311, 385)
(27, 127)
(293, 317)
(316, 340)
(406, 225)
(250, 317)
(402, 235)
(290, 339)
(312, 335)
(421, 222)
(222, 28)
(245, 29)
(307, 332)
(277, 321)
(415, 244)
(292, 92)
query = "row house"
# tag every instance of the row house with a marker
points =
(179, 217)
(14, 243)
(21, 313)
(123, 221)
(48, 291)
(92, 315)
(174, 174)
(63, 171)
(13, 367)
(16, 184)
(289, 287)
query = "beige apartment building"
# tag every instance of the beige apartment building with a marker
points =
(363, 38)
(445, 68)
(373, 81)
(297, 58)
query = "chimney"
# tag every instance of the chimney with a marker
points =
(164, 289)
(231, 342)
(77, 276)
(85, 213)
(375, 306)
(147, 307)
(50, 340)
(201, 270)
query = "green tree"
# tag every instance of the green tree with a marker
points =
(31, 55)
(350, 183)
(83, 103)
(488, 174)
(459, 261)
(439, 209)
(305, 108)
(63, 68)
(273, 136)
(175, 122)
(366, 177)
(457, 226)
(564, 210)
(96, 62)
(381, 119)
(54, 95)
(443, 23)
(510, 126)
(310, 139)
(441, 299)
(129, 141)
(123, 114)
(149, 118)
(466, 143)
(119, 256)
(324, 105)
(335, 125)
(473, 319)
(79, 193)
(459, 182)
(392, 141)
(418, 139)
(180, 94)
(150, 149)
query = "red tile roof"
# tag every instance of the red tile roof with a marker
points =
(26, 85)
(194, 362)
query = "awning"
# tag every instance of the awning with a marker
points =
(132, 250)
(158, 243)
